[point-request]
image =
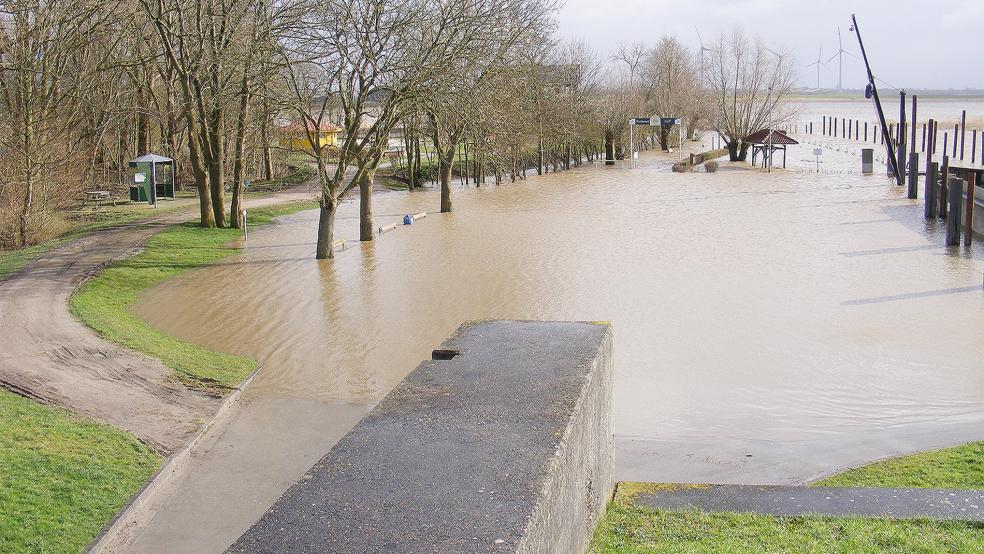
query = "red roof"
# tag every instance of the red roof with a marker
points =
(762, 137)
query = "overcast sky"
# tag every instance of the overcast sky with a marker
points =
(945, 46)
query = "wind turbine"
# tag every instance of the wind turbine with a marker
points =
(840, 60)
(702, 49)
(818, 63)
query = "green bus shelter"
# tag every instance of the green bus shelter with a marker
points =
(151, 177)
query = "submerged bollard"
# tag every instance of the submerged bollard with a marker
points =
(955, 187)
(867, 161)
(913, 175)
(929, 194)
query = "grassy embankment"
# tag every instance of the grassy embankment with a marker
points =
(91, 218)
(629, 528)
(62, 477)
(101, 302)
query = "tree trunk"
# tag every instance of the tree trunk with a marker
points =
(609, 148)
(239, 164)
(216, 167)
(365, 206)
(445, 171)
(267, 149)
(326, 228)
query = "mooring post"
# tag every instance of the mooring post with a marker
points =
(955, 187)
(963, 132)
(900, 142)
(866, 131)
(945, 151)
(956, 133)
(913, 175)
(913, 148)
(971, 185)
(834, 133)
(823, 125)
(929, 188)
(924, 138)
(973, 146)
(944, 183)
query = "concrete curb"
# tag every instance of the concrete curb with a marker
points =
(140, 508)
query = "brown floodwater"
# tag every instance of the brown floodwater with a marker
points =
(768, 306)
(815, 319)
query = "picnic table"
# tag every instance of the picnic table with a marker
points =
(98, 196)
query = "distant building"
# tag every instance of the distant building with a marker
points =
(295, 136)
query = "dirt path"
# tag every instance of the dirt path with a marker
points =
(46, 354)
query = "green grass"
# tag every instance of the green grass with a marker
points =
(101, 303)
(629, 529)
(959, 467)
(62, 477)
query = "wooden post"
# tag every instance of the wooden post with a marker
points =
(823, 125)
(866, 131)
(963, 132)
(843, 128)
(913, 175)
(834, 133)
(969, 202)
(900, 142)
(944, 145)
(924, 138)
(929, 191)
(955, 187)
(944, 183)
(973, 146)
(914, 103)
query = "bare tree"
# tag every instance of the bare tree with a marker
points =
(49, 63)
(749, 86)
(670, 82)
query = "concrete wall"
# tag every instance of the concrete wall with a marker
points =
(502, 443)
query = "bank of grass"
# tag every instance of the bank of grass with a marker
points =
(62, 477)
(961, 467)
(631, 529)
(101, 303)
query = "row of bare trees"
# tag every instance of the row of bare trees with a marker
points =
(474, 87)
(735, 86)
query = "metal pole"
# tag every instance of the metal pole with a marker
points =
(874, 91)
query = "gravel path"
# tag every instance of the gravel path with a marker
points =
(47, 355)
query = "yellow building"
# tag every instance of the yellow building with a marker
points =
(295, 136)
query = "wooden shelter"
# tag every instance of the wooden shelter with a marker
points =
(766, 142)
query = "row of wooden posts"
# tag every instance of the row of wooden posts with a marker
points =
(840, 127)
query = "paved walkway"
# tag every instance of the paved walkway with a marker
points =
(47, 355)
(945, 504)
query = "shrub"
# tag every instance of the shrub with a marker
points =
(710, 166)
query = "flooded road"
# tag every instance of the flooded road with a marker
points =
(750, 311)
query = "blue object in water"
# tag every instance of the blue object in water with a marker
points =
(408, 219)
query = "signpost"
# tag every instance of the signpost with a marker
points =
(817, 152)
(665, 122)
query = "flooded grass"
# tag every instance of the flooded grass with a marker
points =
(101, 303)
(62, 477)
(961, 467)
(626, 528)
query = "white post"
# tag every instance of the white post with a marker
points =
(631, 143)
(245, 232)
